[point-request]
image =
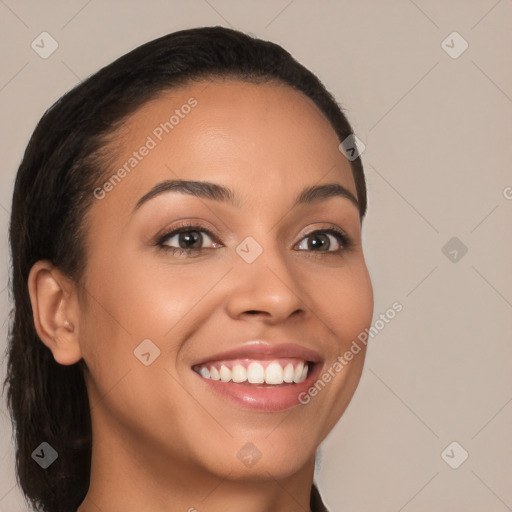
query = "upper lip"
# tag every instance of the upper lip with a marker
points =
(264, 350)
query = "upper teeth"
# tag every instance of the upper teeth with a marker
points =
(255, 373)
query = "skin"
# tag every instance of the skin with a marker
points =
(162, 440)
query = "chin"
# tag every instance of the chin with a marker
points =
(259, 459)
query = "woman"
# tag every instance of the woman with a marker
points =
(187, 275)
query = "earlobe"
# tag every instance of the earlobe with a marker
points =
(55, 309)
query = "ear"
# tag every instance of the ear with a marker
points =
(55, 308)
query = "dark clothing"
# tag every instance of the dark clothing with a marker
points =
(316, 502)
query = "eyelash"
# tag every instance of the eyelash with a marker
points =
(339, 234)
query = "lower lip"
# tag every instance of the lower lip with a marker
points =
(263, 398)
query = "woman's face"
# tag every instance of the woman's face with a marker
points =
(249, 276)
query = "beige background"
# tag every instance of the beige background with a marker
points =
(438, 157)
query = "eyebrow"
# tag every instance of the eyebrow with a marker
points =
(216, 192)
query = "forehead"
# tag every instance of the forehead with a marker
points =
(258, 138)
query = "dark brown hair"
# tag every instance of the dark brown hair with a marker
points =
(62, 165)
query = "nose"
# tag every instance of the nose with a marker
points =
(267, 288)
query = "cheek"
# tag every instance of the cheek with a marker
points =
(124, 305)
(356, 302)
(347, 311)
(342, 299)
(141, 298)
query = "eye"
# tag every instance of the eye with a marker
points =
(321, 241)
(187, 239)
(190, 240)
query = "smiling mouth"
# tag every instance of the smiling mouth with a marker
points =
(250, 372)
